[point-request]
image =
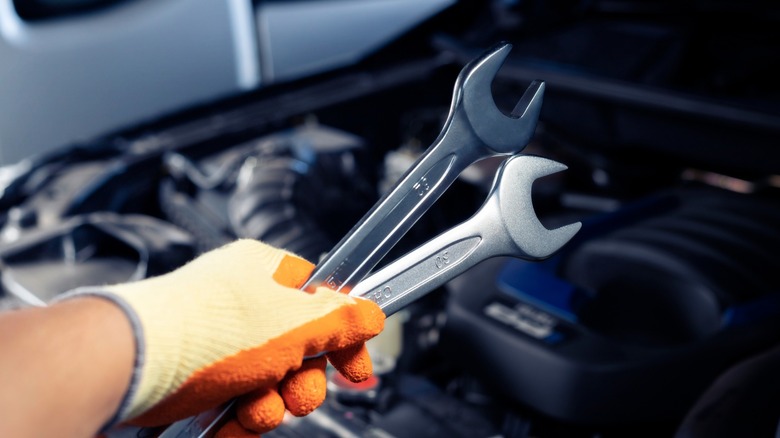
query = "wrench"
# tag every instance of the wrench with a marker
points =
(505, 225)
(475, 128)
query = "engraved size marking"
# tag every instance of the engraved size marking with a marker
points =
(382, 294)
(421, 187)
(442, 259)
(333, 280)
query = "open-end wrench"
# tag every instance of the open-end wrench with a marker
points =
(505, 225)
(475, 128)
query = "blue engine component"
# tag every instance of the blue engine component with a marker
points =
(652, 297)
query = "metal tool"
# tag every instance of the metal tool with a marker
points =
(475, 129)
(505, 225)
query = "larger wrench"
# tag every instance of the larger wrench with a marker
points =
(475, 128)
(505, 225)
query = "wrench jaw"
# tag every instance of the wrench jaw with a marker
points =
(475, 129)
(517, 210)
(500, 133)
(530, 105)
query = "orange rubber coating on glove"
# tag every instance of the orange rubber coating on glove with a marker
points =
(293, 272)
(265, 365)
(233, 429)
(304, 390)
(353, 362)
(259, 411)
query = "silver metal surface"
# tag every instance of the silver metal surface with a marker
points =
(462, 141)
(475, 129)
(505, 225)
(203, 425)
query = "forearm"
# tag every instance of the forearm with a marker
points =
(63, 369)
(230, 324)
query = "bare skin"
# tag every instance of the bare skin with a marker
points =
(63, 369)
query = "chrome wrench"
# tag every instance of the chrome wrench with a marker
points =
(475, 128)
(505, 225)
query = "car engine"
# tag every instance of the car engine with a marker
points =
(671, 284)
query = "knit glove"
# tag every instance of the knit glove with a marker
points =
(233, 323)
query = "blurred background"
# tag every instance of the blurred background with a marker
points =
(136, 134)
(73, 69)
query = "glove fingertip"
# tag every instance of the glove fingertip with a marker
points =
(293, 271)
(304, 390)
(373, 318)
(353, 362)
(260, 411)
(233, 429)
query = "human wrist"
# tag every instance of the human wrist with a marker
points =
(102, 338)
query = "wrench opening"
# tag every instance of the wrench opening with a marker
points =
(505, 225)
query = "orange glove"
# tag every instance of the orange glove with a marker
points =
(232, 323)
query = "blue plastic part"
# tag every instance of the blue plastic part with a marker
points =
(753, 311)
(537, 284)
(555, 338)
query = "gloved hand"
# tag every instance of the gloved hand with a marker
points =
(233, 323)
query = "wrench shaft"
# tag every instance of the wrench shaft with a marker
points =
(474, 129)
(421, 271)
(389, 220)
(491, 232)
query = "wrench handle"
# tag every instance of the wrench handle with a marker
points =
(474, 129)
(365, 245)
(384, 225)
(424, 269)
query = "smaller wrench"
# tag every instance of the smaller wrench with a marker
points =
(505, 225)
(475, 128)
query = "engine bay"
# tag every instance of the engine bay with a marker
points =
(672, 166)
